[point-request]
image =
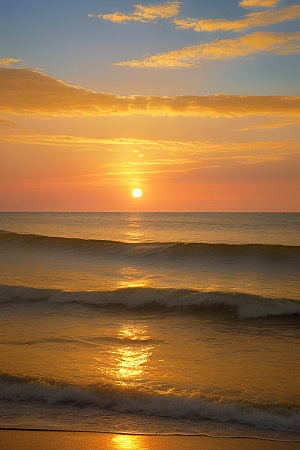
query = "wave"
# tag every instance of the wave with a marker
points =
(91, 342)
(26, 388)
(243, 304)
(167, 249)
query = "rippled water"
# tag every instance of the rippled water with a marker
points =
(151, 323)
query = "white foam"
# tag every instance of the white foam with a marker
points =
(150, 403)
(246, 305)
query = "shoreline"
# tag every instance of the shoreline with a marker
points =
(62, 430)
(35, 439)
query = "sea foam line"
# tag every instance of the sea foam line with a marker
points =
(151, 403)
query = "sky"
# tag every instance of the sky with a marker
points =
(194, 102)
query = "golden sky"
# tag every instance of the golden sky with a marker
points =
(196, 103)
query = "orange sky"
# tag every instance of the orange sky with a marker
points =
(84, 122)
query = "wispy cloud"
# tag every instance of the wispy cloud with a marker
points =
(144, 13)
(8, 61)
(203, 155)
(271, 126)
(7, 122)
(259, 3)
(155, 162)
(256, 19)
(259, 43)
(169, 146)
(160, 156)
(77, 141)
(195, 162)
(36, 94)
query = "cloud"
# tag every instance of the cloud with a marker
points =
(7, 122)
(8, 61)
(165, 10)
(271, 126)
(144, 13)
(262, 43)
(155, 162)
(260, 3)
(193, 162)
(74, 141)
(171, 147)
(257, 19)
(161, 156)
(37, 94)
(119, 17)
(202, 155)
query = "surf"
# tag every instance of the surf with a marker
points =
(149, 402)
(242, 304)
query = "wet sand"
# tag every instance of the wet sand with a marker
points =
(65, 440)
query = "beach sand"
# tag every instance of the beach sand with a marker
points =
(62, 440)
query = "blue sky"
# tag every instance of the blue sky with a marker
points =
(60, 38)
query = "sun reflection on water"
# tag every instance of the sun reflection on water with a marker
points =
(134, 233)
(133, 277)
(127, 362)
(127, 442)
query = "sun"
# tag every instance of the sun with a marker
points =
(136, 192)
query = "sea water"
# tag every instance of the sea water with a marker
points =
(159, 323)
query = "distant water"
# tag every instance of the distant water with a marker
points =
(162, 323)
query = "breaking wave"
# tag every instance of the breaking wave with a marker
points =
(23, 388)
(243, 304)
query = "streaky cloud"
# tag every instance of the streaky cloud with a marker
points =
(37, 94)
(169, 146)
(252, 20)
(165, 10)
(8, 61)
(119, 17)
(143, 13)
(163, 156)
(259, 3)
(7, 122)
(258, 43)
(271, 126)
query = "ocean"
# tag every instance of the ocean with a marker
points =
(151, 323)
